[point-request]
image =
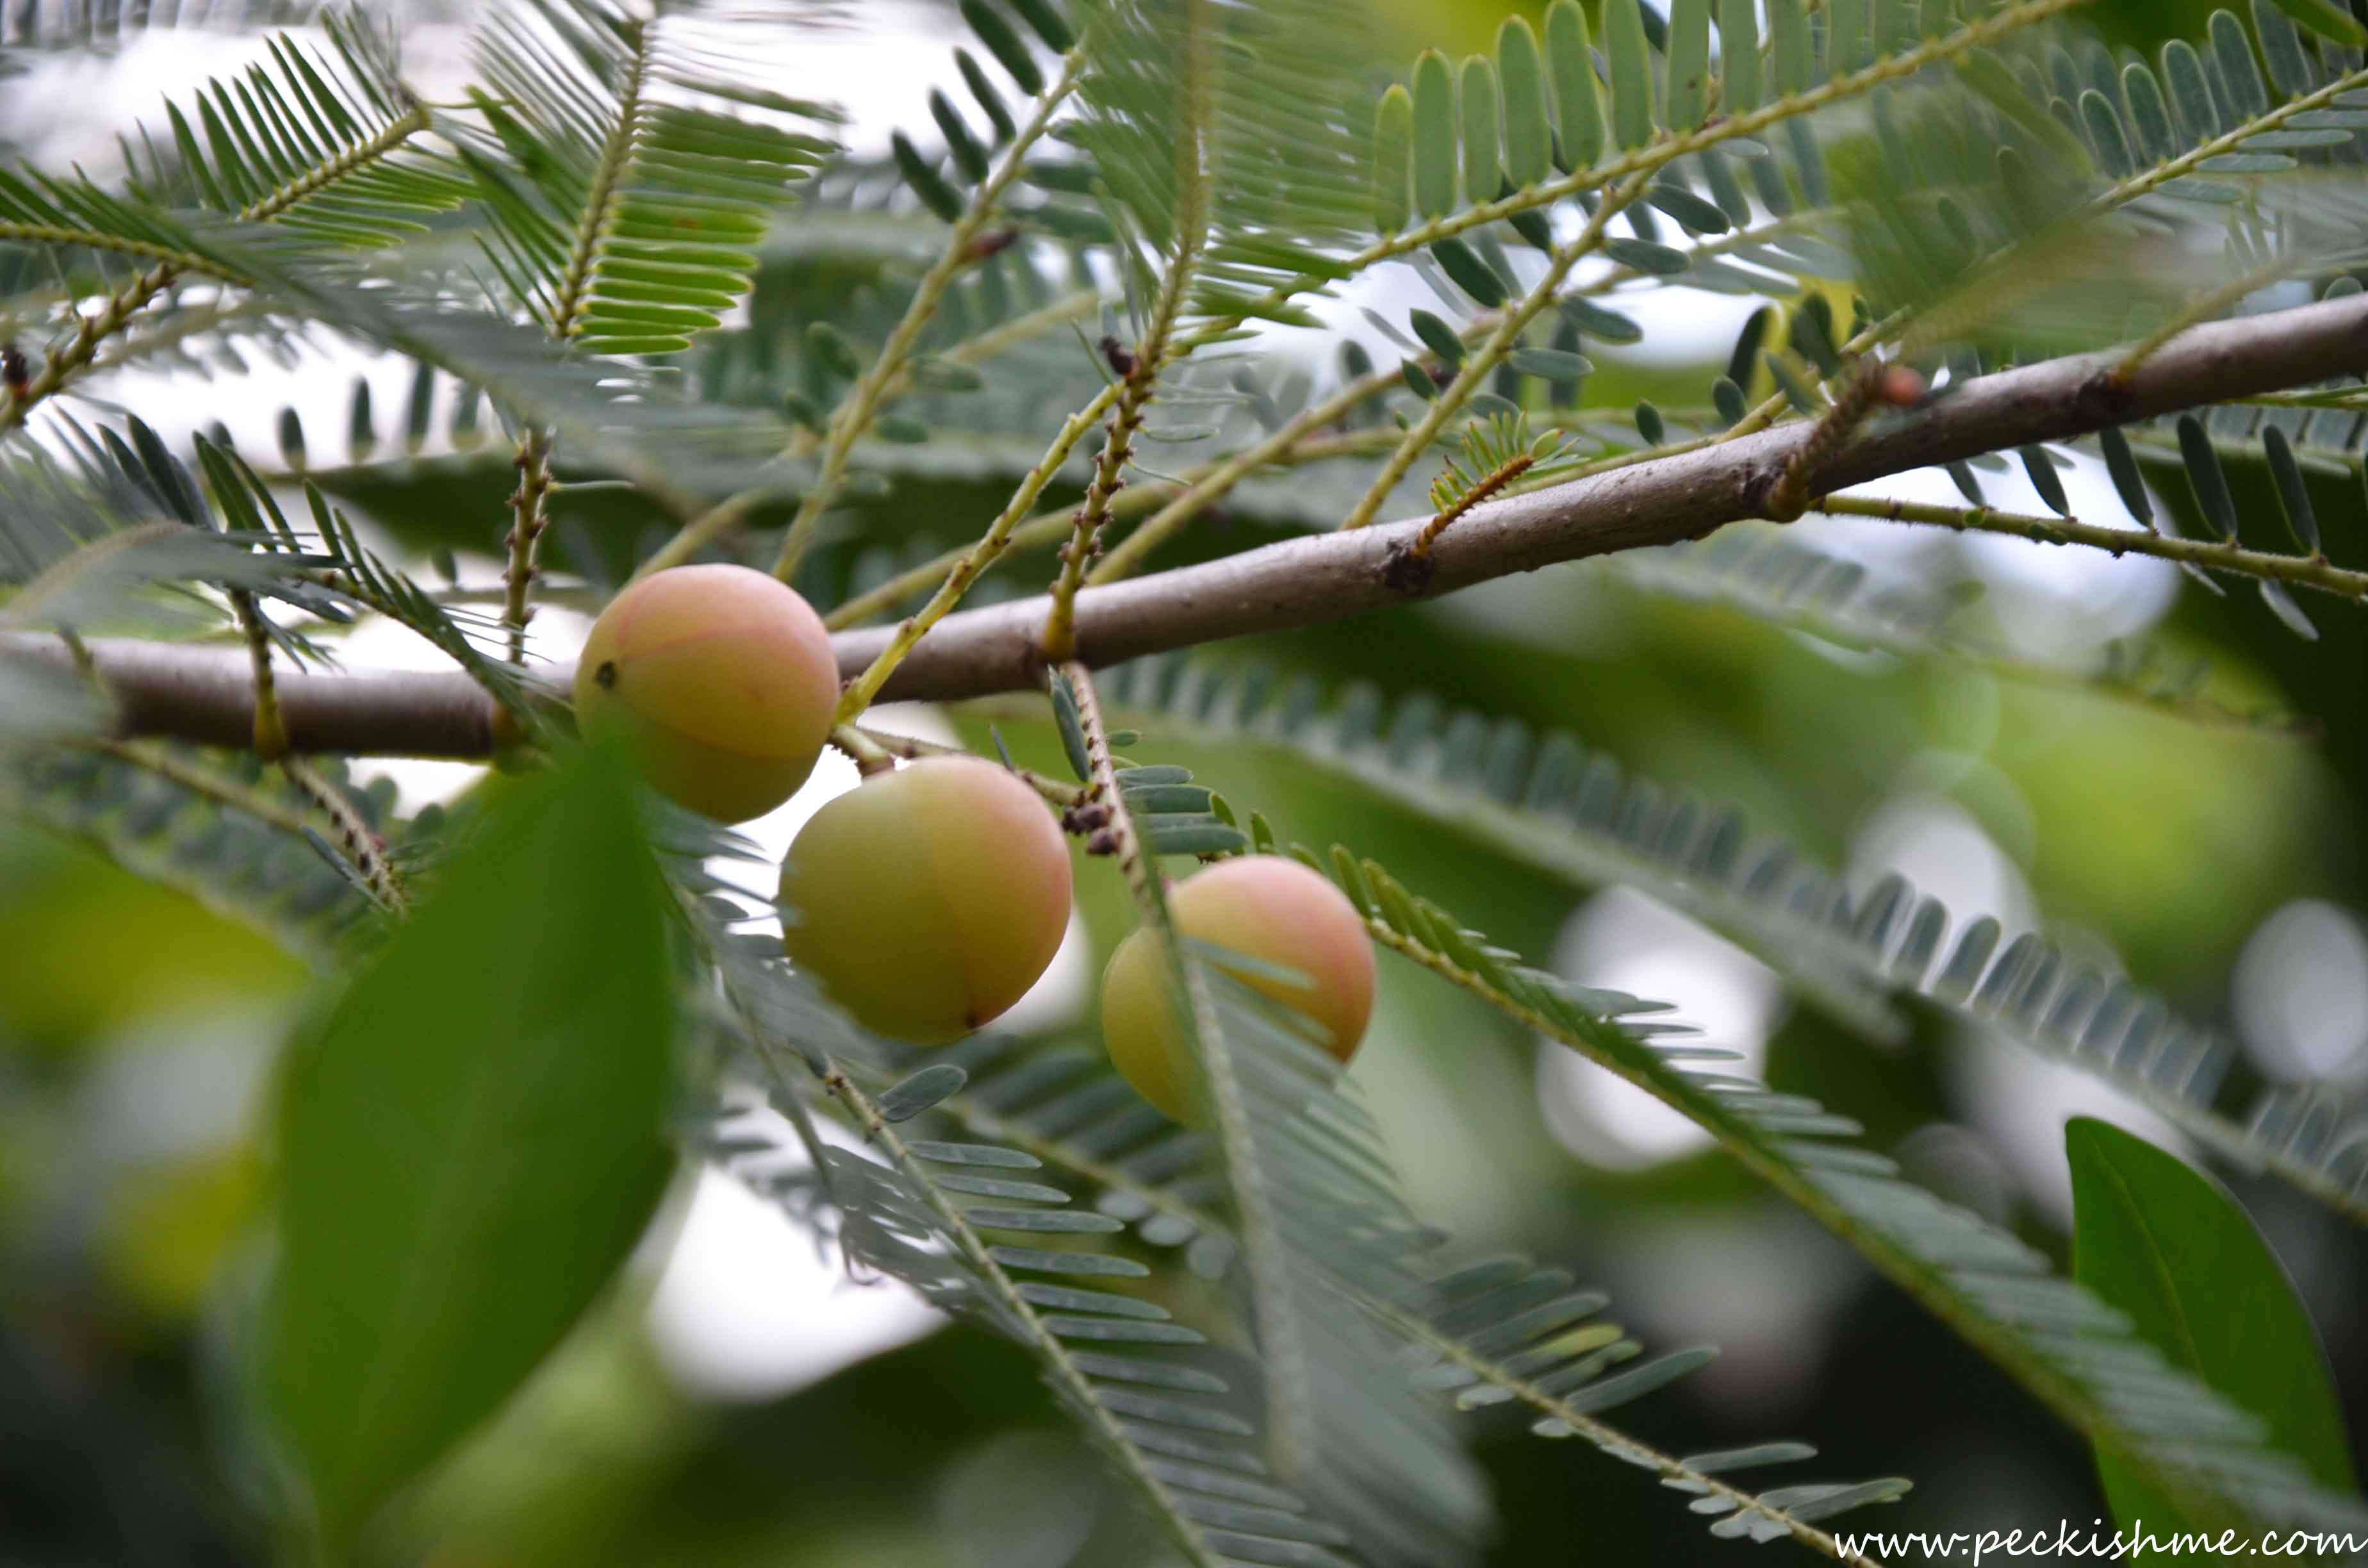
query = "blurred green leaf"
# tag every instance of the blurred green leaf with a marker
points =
(468, 1143)
(2167, 1246)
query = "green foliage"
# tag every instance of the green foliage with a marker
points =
(1256, 1323)
(1549, 803)
(625, 206)
(2167, 1246)
(468, 1142)
(2166, 1426)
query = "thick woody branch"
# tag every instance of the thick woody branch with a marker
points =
(206, 695)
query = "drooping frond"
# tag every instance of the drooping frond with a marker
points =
(2069, 1349)
(322, 152)
(626, 201)
(1313, 1195)
(1485, 1334)
(336, 562)
(1550, 117)
(319, 146)
(104, 535)
(1506, 1332)
(1777, 578)
(240, 843)
(1550, 804)
(972, 1223)
(643, 427)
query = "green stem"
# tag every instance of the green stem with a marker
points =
(528, 517)
(2305, 571)
(1499, 342)
(855, 411)
(980, 556)
(127, 302)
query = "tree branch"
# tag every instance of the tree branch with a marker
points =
(205, 695)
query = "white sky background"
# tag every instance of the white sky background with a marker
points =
(746, 1307)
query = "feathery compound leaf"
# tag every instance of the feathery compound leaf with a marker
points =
(1287, 163)
(1553, 807)
(164, 816)
(1318, 1212)
(1503, 1331)
(1180, 1419)
(1486, 1334)
(2068, 1349)
(626, 208)
(321, 148)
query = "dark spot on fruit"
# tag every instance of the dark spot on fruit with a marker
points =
(606, 675)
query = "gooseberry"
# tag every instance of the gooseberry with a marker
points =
(722, 680)
(1275, 911)
(926, 901)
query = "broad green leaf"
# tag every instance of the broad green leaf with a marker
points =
(2167, 1246)
(468, 1141)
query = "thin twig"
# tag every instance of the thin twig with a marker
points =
(1289, 1402)
(528, 517)
(855, 411)
(90, 331)
(866, 686)
(1492, 351)
(1138, 370)
(2303, 570)
(356, 840)
(359, 844)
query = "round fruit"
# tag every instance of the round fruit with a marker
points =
(929, 900)
(724, 680)
(1261, 906)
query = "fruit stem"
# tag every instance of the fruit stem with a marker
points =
(912, 748)
(869, 757)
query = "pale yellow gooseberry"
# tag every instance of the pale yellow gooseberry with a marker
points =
(1264, 908)
(722, 680)
(927, 901)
